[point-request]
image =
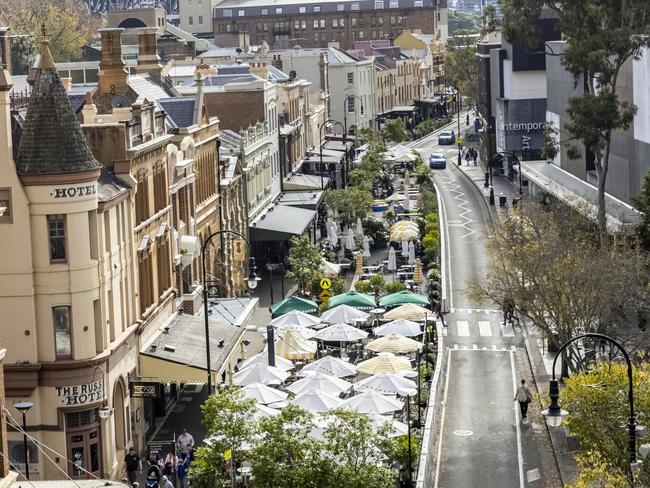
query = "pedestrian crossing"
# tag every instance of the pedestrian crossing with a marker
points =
(476, 347)
(478, 328)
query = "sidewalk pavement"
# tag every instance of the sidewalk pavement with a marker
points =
(534, 341)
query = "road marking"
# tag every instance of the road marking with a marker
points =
(474, 346)
(455, 346)
(463, 433)
(442, 419)
(533, 475)
(463, 328)
(507, 330)
(484, 328)
(494, 347)
(446, 282)
(513, 347)
(516, 410)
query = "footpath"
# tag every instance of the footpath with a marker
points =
(539, 358)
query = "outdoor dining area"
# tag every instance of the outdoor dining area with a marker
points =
(356, 356)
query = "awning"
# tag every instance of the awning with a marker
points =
(176, 354)
(298, 181)
(280, 223)
(579, 194)
(303, 199)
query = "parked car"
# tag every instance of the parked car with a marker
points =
(437, 161)
(446, 137)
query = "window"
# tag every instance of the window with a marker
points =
(56, 231)
(393, 4)
(340, 7)
(160, 188)
(262, 27)
(316, 24)
(354, 21)
(361, 34)
(142, 199)
(335, 23)
(316, 35)
(278, 10)
(379, 4)
(351, 101)
(341, 23)
(62, 334)
(354, 6)
(265, 11)
(302, 10)
(241, 13)
(350, 78)
(200, 19)
(316, 9)
(380, 21)
(227, 12)
(322, 24)
(5, 206)
(393, 20)
(190, 20)
(418, 3)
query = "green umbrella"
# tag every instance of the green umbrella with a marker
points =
(293, 303)
(353, 299)
(401, 298)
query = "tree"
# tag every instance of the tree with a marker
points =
(461, 66)
(227, 417)
(547, 259)
(596, 410)
(601, 36)
(642, 203)
(349, 204)
(462, 22)
(304, 261)
(394, 130)
(68, 25)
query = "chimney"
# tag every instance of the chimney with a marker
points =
(259, 69)
(148, 59)
(5, 60)
(67, 83)
(89, 110)
(112, 70)
(198, 100)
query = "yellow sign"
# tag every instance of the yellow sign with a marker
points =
(325, 283)
(227, 455)
(238, 250)
(459, 140)
(325, 295)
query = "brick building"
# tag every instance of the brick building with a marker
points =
(315, 23)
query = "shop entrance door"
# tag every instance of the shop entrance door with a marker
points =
(84, 448)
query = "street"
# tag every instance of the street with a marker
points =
(482, 441)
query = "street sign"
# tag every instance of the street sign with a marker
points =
(325, 295)
(227, 455)
(238, 252)
(325, 283)
(459, 140)
(213, 292)
(140, 389)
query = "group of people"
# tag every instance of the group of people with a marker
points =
(469, 154)
(161, 471)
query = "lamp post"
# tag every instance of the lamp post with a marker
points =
(251, 281)
(320, 134)
(554, 414)
(345, 127)
(24, 407)
(456, 94)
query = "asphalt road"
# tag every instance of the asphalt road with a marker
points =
(483, 442)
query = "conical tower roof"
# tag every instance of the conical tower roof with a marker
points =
(52, 142)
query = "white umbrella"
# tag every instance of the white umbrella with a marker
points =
(264, 411)
(260, 373)
(332, 231)
(397, 428)
(349, 240)
(263, 358)
(331, 366)
(263, 394)
(408, 311)
(394, 343)
(366, 247)
(411, 253)
(303, 332)
(359, 229)
(321, 382)
(296, 318)
(329, 269)
(405, 245)
(387, 384)
(392, 260)
(371, 402)
(404, 327)
(316, 401)
(341, 332)
(384, 362)
(344, 313)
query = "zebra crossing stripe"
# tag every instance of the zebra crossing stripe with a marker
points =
(463, 328)
(484, 328)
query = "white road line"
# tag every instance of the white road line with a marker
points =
(484, 328)
(474, 346)
(442, 419)
(445, 243)
(494, 347)
(516, 410)
(455, 346)
(507, 330)
(463, 328)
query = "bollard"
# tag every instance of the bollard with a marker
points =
(515, 202)
(502, 200)
(491, 196)
(487, 179)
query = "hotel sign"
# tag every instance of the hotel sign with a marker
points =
(74, 191)
(81, 394)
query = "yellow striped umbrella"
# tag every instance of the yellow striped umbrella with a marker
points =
(418, 277)
(358, 262)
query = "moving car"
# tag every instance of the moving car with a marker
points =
(446, 137)
(437, 161)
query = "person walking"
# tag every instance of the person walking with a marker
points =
(184, 440)
(474, 155)
(165, 483)
(524, 397)
(181, 471)
(132, 464)
(437, 308)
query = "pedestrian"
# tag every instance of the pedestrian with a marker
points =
(524, 397)
(169, 466)
(474, 155)
(184, 440)
(437, 308)
(181, 471)
(468, 155)
(165, 483)
(133, 464)
(467, 119)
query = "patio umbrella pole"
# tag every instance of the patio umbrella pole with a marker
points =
(270, 344)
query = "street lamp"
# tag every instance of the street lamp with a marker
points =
(320, 134)
(345, 128)
(24, 407)
(554, 414)
(251, 282)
